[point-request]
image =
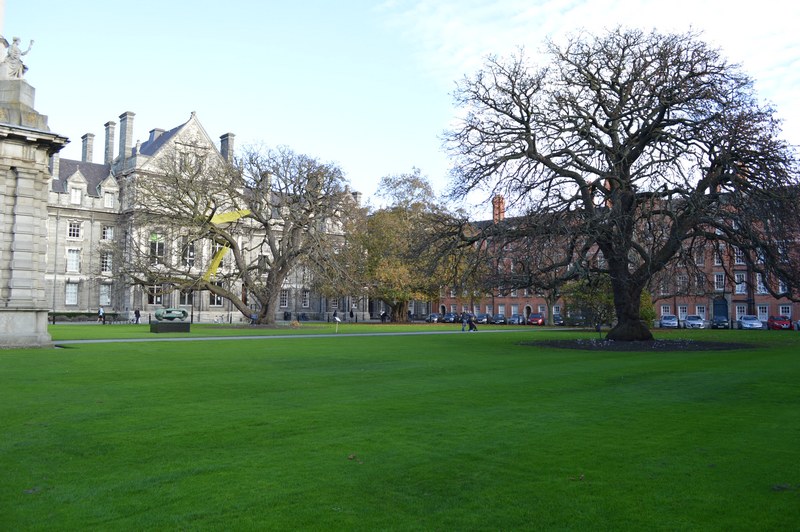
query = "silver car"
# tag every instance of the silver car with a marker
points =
(693, 321)
(668, 321)
(749, 322)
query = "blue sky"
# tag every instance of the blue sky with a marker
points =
(364, 84)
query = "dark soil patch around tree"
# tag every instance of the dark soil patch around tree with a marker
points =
(601, 344)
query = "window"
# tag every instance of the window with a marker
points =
(666, 310)
(513, 292)
(718, 257)
(514, 309)
(683, 283)
(738, 256)
(71, 295)
(699, 257)
(452, 292)
(156, 248)
(186, 297)
(741, 310)
(719, 282)
(489, 309)
(556, 309)
(108, 232)
(501, 309)
(284, 298)
(741, 284)
(662, 287)
(105, 294)
(761, 286)
(700, 310)
(105, 262)
(75, 196)
(108, 200)
(215, 300)
(763, 312)
(73, 260)
(74, 230)
(785, 310)
(683, 310)
(155, 295)
(452, 309)
(542, 309)
(783, 287)
(700, 282)
(187, 251)
(334, 303)
(306, 298)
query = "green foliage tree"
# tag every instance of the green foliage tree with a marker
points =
(398, 267)
(590, 297)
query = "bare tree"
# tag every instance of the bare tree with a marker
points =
(239, 231)
(639, 146)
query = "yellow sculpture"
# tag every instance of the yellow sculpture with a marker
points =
(218, 219)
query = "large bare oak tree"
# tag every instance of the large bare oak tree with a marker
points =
(277, 216)
(639, 146)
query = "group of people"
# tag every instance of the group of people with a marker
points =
(101, 315)
(468, 321)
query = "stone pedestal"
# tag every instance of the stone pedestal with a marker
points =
(169, 327)
(26, 146)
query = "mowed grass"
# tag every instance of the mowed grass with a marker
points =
(424, 432)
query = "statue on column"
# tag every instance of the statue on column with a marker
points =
(12, 67)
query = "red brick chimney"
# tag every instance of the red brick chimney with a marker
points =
(498, 209)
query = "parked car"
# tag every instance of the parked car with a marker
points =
(720, 322)
(482, 318)
(450, 317)
(499, 319)
(668, 321)
(694, 321)
(558, 319)
(749, 322)
(537, 318)
(577, 320)
(433, 317)
(516, 319)
(777, 323)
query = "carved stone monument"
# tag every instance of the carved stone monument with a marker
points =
(26, 146)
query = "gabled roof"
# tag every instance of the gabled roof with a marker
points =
(150, 147)
(93, 173)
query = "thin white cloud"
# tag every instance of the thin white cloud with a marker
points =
(452, 38)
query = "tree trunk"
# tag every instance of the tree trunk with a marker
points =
(627, 302)
(400, 312)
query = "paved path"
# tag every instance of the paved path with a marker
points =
(276, 336)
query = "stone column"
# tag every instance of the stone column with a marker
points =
(26, 146)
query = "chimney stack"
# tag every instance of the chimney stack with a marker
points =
(109, 155)
(55, 164)
(125, 135)
(88, 146)
(226, 146)
(154, 134)
(498, 209)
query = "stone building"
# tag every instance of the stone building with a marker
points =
(89, 209)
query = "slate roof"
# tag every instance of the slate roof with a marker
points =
(94, 174)
(150, 148)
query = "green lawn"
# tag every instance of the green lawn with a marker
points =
(418, 432)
